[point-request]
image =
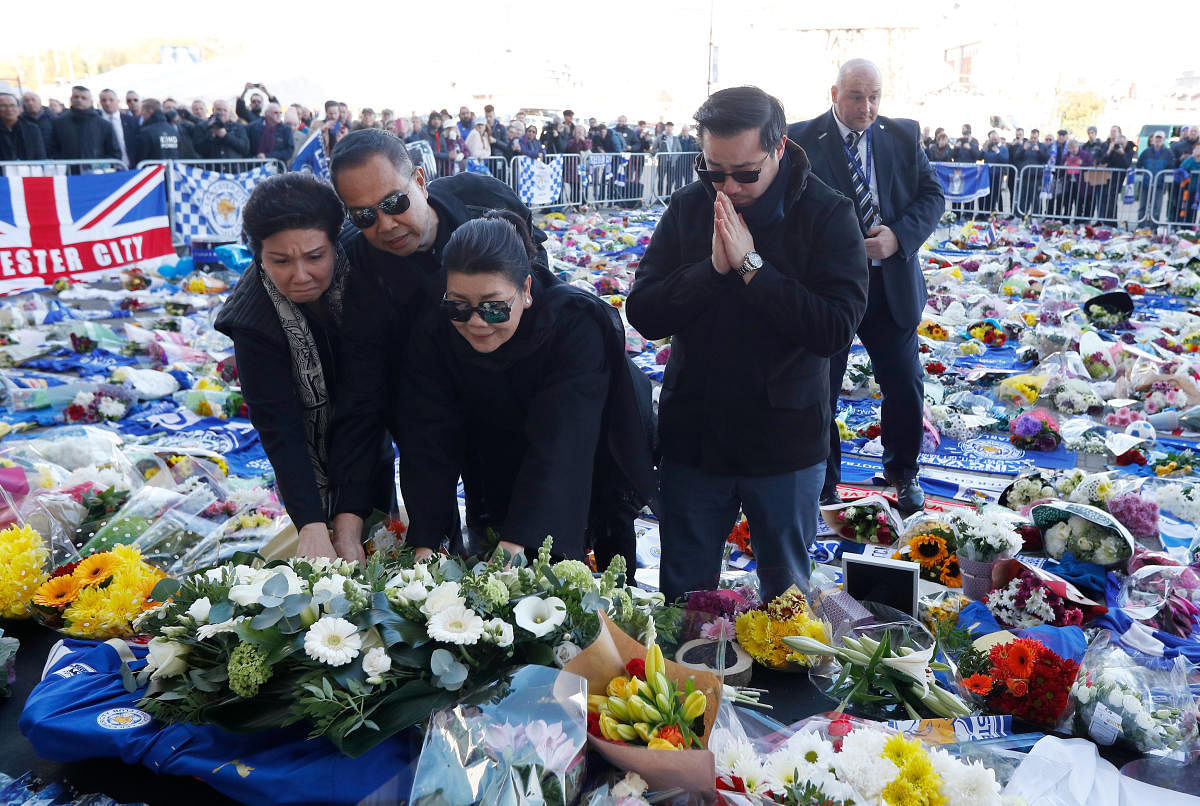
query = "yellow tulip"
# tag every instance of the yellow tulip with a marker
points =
(643, 731)
(595, 702)
(660, 744)
(619, 709)
(655, 664)
(627, 733)
(695, 705)
(608, 728)
(649, 713)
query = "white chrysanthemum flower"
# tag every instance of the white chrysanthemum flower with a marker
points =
(111, 408)
(809, 748)
(729, 750)
(969, 785)
(333, 641)
(445, 595)
(564, 652)
(375, 664)
(498, 632)
(750, 770)
(84, 399)
(456, 624)
(860, 764)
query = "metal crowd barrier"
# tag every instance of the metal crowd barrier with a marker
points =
(226, 166)
(673, 170)
(1173, 199)
(1078, 193)
(49, 167)
(422, 155)
(492, 166)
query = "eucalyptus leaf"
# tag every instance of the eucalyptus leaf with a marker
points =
(165, 589)
(221, 611)
(294, 604)
(338, 606)
(266, 619)
(276, 586)
(269, 600)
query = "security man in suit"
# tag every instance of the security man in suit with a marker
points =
(879, 164)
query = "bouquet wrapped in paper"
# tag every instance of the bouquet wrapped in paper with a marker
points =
(870, 519)
(1090, 533)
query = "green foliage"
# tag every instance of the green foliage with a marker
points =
(1079, 109)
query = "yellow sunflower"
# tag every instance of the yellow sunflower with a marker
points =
(951, 574)
(928, 550)
(57, 592)
(95, 569)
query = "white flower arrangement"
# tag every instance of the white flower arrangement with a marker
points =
(1109, 708)
(983, 537)
(1181, 500)
(1088, 541)
(1074, 396)
(1026, 490)
(1093, 490)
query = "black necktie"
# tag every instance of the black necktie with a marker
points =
(862, 192)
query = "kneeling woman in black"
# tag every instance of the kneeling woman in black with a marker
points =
(284, 317)
(521, 386)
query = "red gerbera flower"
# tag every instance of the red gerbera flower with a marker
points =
(980, 684)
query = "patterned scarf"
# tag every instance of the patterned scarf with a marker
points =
(306, 365)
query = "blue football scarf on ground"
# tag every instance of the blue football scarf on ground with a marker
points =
(1066, 642)
(81, 710)
(97, 362)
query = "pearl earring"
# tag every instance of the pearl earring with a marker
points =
(528, 301)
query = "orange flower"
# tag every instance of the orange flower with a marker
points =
(670, 733)
(951, 574)
(57, 592)
(95, 569)
(1019, 659)
(979, 684)
(1018, 687)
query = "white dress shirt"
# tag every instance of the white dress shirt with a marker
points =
(119, 132)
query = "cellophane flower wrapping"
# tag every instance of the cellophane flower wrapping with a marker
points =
(1163, 597)
(519, 742)
(1144, 704)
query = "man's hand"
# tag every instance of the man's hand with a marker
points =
(881, 243)
(219, 132)
(734, 234)
(315, 542)
(513, 549)
(422, 554)
(347, 536)
(350, 548)
(720, 260)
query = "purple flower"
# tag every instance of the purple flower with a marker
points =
(1045, 442)
(1027, 426)
(1137, 514)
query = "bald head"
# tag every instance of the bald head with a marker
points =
(856, 94)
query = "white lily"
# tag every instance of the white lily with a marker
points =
(915, 666)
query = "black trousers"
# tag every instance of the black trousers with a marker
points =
(897, 369)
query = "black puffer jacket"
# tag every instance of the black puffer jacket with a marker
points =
(81, 134)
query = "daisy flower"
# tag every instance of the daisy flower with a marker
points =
(333, 641)
(456, 625)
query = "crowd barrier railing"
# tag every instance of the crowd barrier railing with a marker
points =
(49, 167)
(225, 166)
(1173, 199)
(490, 166)
(672, 170)
(1077, 193)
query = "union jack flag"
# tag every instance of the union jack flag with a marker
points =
(56, 226)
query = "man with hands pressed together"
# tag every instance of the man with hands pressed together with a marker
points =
(758, 273)
(879, 164)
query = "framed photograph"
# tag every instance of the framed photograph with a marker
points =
(882, 579)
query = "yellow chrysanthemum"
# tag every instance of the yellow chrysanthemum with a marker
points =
(108, 612)
(57, 592)
(126, 556)
(95, 569)
(899, 750)
(23, 556)
(917, 784)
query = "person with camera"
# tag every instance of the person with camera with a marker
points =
(221, 136)
(555, 137)
(1116, 155)
(995, 155)
(254, 112)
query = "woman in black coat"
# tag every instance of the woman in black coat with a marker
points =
(520, 384)
(284, 317)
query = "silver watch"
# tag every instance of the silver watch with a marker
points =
(751, 262)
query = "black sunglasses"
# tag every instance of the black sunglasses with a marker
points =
(395, 203)
(493, 312)
(717, 177)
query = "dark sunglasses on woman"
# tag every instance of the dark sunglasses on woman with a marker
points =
(395, 203)
(493, 312)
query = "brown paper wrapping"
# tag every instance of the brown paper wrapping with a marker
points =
(691, 770)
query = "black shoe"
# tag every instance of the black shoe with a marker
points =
(909, 496)
(830, 498)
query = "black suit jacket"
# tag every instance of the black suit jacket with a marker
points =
(910, 197)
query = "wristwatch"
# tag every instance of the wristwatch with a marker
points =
(751, 262)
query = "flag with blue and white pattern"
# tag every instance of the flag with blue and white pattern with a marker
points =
(312, 157)
(208, 204)
(539, 184)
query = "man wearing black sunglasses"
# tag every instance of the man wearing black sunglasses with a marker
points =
(758, 273)
(879, 164)
(398, 224)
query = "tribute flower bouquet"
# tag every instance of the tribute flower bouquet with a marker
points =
(1020, 677)
(1027, 601)
(645, 707)
(933, 544)
(106, 403)
(861, 765)
(1035, 430)
(984, 537)
(23, 557)
(761, 631)
(1090, 533)
(870, 519)
(1027, 489)
(98, 597)
(359, 653)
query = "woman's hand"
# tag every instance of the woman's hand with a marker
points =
(315, 542)
(422, 554)
(513, 549)
(350, 548)
(347, 536)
